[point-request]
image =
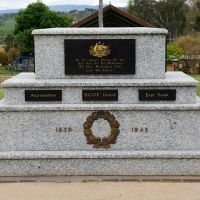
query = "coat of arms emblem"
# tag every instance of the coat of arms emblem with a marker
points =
(99, 50)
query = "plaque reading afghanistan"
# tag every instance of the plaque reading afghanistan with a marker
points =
(157, 95)
(100, 57)
(43, 95)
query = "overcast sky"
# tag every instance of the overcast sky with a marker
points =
(11, 4)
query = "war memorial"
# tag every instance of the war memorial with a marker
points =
(100, 103)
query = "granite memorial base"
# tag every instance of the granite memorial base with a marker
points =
(50, 140)
(92, 108)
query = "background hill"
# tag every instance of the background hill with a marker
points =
(78, 12)
(68, 8)
(7, 25)
(57, 8)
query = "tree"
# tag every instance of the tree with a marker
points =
(197, 19)
(13, 53)
(167, 14)
(131, 8)
(190, 45)
(145, 9)
(10, 40)
(191, 15)
(35, 16)
(3, 58)
(171, 15)
(26, 42)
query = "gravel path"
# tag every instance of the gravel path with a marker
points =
(100, 191)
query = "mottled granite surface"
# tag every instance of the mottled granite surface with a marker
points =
(92, 107)
(28, 80)
(126, 95)
(128, 90)
(63, 163)
(97, 31)
(150, 50)
(100, 154)
(36, 130)
(154, 138)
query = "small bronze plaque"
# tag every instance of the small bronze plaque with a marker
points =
(99, 57)
(157, 95)
(43, 95)
(100, 95)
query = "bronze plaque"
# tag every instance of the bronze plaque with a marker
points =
(100, 95)
(100, 57)
(43, 95)
(157, 95)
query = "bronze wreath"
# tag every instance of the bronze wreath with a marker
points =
(105, 141)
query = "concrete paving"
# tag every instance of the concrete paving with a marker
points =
(100, 191)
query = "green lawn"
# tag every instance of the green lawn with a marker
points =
(197, 77)
(1, 93)
(5, 74)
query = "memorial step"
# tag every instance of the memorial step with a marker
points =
(176, 88)
(57, 163)
(98, 127)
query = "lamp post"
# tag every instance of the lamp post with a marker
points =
(100, 13)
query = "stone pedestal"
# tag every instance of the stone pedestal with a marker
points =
(146, 123)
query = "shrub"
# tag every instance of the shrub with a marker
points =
(173, 53)
(13, 53)
(190, 45)
(3, 58)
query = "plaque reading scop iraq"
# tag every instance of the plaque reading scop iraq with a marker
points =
(157, 95)
(43, 95)
(100, 57)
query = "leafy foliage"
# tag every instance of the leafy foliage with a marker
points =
(171, 15)
(173, 53)
(35, 16)
(167, 14)
(13, 53)
(131, 8)
(197, 19)
(10, 40)
(3, 58)
(145, 9)
(26, 42)
(190, 45)
(192, 16)
(7, 25)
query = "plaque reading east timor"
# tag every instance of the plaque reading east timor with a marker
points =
(100, 57)
(100, 95)
(157, 95)
(43, 95)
